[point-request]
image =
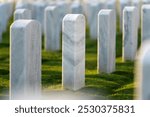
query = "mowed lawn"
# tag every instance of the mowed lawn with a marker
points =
(118, 85)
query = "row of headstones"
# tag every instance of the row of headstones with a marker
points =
(130, 42)
(42, 13)
(6, 11)
(89, 8)
(50, 16)
(25, 66)
(25, 53)
(73, 48)
(52, 30)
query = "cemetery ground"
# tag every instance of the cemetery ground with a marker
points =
(118, 85)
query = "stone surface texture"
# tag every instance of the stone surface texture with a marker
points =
(22, 14)
(25, 60)
(106, 41)
(73, 52)
(130, 33)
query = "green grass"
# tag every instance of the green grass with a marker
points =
(118, 85)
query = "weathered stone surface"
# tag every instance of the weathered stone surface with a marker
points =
(112, 4)
(123, 4)
(145, 23)
(38, 12)
(137, 4)
(142, 72)
(76, 8)
(52, 40)
(93, 9)
(63, 9)
(25, 60)
(130, 33)
(73, 52)
(22, 14)
(106, 41)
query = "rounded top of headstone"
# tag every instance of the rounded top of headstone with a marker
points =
(105, 12)
(23, 23)
(75, 4)
(129, 8)
(21, 10)
(124, 1)
(50, 8)
(146, 6)
(73, 17)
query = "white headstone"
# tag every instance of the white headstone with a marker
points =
(23, 5)
(145, 1)
(73, 52)
(93, 9)
(137, 4)
(142, 70)
(4, 16)
(11, 8)
(52, 41)
(76, 8)
(25, 60)
(145, 23)
(63, 9)
(106, 41)
(38, 12)
(130, 33)
(123, 4)
(112, 4)
(22, 14)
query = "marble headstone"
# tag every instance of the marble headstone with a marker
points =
(4, 16)
(22, 14)
(145, 23)
(145, 1)
(123, 4)
(106, 41)
(76, 8)
(142, 72)
(23, 5)
(52, 41)
(137, 4)
(112, 4)
(38, 12)
(130, 33)
(73, 52)
(25, 60)
(63, 9)
(93, 9)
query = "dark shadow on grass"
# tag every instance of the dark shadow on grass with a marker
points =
(50, 72)
(125, 64)
(52, 62)
(124, 73)
(4, 72)
(3, 58)
(4, 45)
(121, 96)
(91, 64)
(48, 80)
